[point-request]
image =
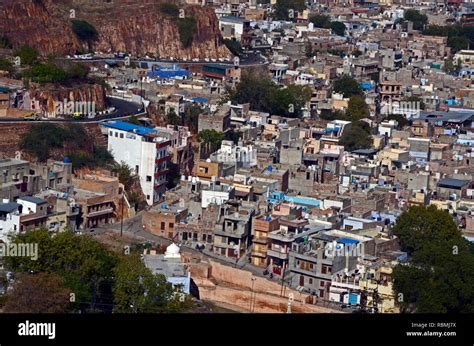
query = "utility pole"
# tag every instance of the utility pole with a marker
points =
(252, 295)
(283, 279)
(121, 219)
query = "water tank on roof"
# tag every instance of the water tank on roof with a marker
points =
(270, 168)
(66, 159)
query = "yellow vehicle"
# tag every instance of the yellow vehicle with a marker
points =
(76, 115)
(31, 116)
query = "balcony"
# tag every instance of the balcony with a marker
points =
(100, 212)
(259, 254)
(345, 282)
(260, 240)
(277, 254)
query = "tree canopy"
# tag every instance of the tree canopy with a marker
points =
(419, 20)
(98, 278)
(211, 137)
(264, 95)
(84, 30)
(287, 9)
(28, 55)
(357, 108)
(347, 86)
(439, 276)
(38, 294)
(357, 136)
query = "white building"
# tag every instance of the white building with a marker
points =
(216, 194)
(9, 219)
(239, 155)
(144, 151)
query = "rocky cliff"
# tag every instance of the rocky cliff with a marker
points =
(51, 96)
(137, 27)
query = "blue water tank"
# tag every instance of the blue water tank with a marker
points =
(270, 168)
(66, 159)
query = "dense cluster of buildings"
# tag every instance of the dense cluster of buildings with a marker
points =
(287, 198)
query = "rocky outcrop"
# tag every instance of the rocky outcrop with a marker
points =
(50, 96)
(137, 27)
(11, 134)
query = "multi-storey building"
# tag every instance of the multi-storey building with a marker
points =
(145, 151)
(262, 225)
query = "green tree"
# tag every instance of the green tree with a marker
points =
(264, 95)
(357, 137)
(439, 275)
(211, 137)
(186, 28)
(5, 65)
(458, 42)
(27, 54)
(124, 173)
(41, 138)
(287, 9)
(38, 294)
(357, 108)
(169, 9)
(419, 20)
(172, 118)
(84, 31)
(422, 224)
(66, 254)
(347, 86)
(234, 46)
(138, 290)
(338, 28)
(320, 21)
(451, 67)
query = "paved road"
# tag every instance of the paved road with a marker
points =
(124, 109)
(250, 61)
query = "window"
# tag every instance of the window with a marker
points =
(121, 135)
(148, 178)
(171, 225)
(321, 283)
(321, 293)
(324, 269)
(310, 281)
(162, 226)
(147, 196)
(116, 134)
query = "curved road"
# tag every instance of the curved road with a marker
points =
(124, 109)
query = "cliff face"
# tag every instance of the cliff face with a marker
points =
(137, 27)
(48, 96)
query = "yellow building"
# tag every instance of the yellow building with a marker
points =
(379, 277)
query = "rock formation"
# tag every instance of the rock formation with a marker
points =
(137, 27)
